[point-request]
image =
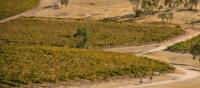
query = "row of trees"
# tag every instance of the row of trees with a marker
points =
(146, 7)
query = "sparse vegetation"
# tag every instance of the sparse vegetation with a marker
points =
(58, 32)
(36, 64)
(184, 46)
(195, 51)
(12, 7)
(191, 46)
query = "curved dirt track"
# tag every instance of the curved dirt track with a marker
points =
(189, 74)
(190, 33)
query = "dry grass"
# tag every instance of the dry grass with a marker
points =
(30, 64)
(187, 62)
(58, 32)
(12, 7)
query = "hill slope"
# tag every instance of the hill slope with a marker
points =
(59, 32)
(24, 65)
(184, 46)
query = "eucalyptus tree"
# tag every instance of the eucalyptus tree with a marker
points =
(170, 4)
(142, 4)
(144, 7)
(136, 4)
(148, 6)
(64, 2)
(193, 4)
(175, 4)
(179, 3)
(156, 4)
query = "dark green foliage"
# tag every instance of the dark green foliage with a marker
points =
(82, 37)
(195, 51)
(144, 7)
(64, 2)
(193, 4)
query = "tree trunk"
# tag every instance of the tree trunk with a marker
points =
(194, 57)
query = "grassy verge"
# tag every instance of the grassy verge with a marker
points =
(59, 32)
(184, 46)
(30, 64)
(12, 7)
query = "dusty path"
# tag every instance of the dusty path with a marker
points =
(189, 74)
(88, 9)
(190, 33)
(43, 3)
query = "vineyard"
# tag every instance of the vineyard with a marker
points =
(22, 65)
(29, 44)
(184, 46)
(12, 7)
(98, 43)
(59, 32)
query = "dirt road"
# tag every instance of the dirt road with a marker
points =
(190, 33)
(189, 74)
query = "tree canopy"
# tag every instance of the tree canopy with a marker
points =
(149, 6)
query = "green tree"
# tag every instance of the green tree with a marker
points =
(82, 37)
(148, 6)
(193, 4)
(179, 3)
(136, 4)
(195, 51)
(170, 4)
(64, 2)
(174, 4)
(144, 7)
